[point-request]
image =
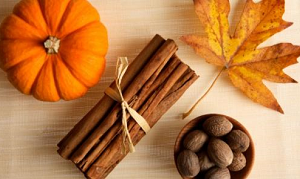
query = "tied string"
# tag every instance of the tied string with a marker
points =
(121, 68)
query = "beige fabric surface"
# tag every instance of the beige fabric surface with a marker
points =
(30, 129)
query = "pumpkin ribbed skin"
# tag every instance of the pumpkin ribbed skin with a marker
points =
(79, 62)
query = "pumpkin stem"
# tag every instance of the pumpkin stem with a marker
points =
(52, 45)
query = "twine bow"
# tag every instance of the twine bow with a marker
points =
(121, 68)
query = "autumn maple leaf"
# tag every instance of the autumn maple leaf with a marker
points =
(246, 65)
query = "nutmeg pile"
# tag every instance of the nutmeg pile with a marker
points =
(213, 150)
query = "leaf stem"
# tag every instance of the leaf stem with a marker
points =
(205, 94)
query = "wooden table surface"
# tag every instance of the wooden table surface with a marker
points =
(30, 129)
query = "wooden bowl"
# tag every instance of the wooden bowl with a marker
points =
(197, 124)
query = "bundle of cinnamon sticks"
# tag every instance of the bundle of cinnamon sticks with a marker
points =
(154, 81)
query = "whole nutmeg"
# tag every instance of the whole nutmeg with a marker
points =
(238, 163)
(217, 173)
(188, 164)
(238, 141)
(204, 162)
(219, 152)
(195, 140)
(217, 126)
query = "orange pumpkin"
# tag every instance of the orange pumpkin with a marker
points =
(53, 49)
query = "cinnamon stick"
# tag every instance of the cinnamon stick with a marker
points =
(107, 157)
(153, 83)
(108, 160)
(164, 53)
(82, 129)
(148, 89)
(164, 106)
